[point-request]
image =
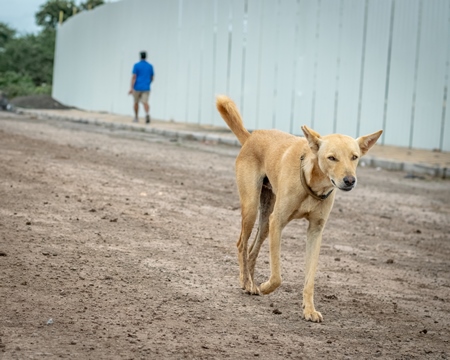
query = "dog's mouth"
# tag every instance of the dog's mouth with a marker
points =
(343, 188)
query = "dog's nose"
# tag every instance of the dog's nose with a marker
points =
(349, 180)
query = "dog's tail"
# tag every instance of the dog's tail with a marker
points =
(230, 113)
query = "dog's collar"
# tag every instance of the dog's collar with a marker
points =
(306, 186)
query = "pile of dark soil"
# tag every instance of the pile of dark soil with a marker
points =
(37, 102)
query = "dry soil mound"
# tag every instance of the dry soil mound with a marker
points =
(37, 102)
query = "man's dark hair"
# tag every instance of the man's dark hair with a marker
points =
(143, 55)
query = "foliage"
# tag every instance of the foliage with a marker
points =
(90, 4)
(26, 62)
(30, 55)
(14, 84)
(48, 14)
(6, 34)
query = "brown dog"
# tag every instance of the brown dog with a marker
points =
(288, 177)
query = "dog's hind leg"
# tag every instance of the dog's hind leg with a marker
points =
(267, 200)
(249, 190)
(249, 213)
(283, 209)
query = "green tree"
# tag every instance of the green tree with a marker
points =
(26, 62)
(14, 84)
(6, 34)
(30, 55)
(48, 14)
(90, 4)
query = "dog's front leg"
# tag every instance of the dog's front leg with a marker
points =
(313, 242)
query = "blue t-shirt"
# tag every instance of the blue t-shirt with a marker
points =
(144, 73)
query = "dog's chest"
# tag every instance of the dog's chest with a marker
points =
(309, 207)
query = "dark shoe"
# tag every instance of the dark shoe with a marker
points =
(147, 119)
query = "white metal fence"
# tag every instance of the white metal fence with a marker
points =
(348, 66)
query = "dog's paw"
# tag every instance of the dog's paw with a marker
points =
(252, 289)
(312, 315)
(265, 288)
(270, 286)
(248, 285)
(242, 282)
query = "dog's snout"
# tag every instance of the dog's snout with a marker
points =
(349, 180)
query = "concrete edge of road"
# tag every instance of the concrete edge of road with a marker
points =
(413, 169)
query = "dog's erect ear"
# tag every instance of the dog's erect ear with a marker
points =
(366, 142)
(313, 138)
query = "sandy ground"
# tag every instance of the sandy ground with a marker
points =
(121, 245)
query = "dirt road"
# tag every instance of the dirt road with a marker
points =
(121, 245)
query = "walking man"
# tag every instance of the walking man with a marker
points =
(140, 86)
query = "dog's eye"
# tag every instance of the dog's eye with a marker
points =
(332, 158)
(354, 157)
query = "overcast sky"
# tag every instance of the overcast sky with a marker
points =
(19, 14)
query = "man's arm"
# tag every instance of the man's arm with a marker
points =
(133, 80)
(152, 73)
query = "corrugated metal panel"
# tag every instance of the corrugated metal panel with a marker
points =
(252, 67)
(432, 57)
(376, 66)
(222, 51)
(166, 63)
(206, 91)
(326, 66)
(351, 56)
(401, 77)
(308, 32)
(285, 18)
